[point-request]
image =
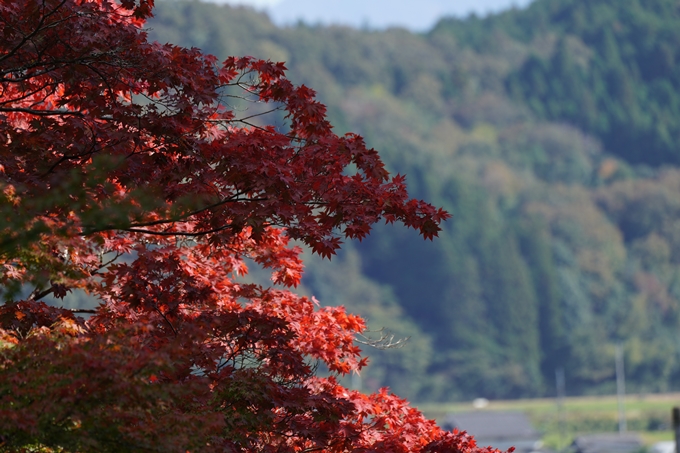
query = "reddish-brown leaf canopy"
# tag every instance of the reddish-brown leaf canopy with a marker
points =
(126, 172)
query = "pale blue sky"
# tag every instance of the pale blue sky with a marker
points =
(416, 15)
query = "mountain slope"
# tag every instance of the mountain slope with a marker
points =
(565, 239)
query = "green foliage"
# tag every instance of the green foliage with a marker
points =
(612, 73)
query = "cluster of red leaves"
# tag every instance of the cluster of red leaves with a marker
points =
(124, 172)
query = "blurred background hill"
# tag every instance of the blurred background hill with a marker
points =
(552, 134)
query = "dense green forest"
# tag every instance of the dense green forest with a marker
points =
(552, 134)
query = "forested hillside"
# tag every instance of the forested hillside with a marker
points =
(552, 134)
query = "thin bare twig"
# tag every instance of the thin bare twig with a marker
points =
(384, 341)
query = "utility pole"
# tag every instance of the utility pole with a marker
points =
(621, 388)
(676, 427)
(559, 382)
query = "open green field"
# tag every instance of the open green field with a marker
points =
(649, 415)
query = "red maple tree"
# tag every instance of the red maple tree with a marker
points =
(125, 173)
